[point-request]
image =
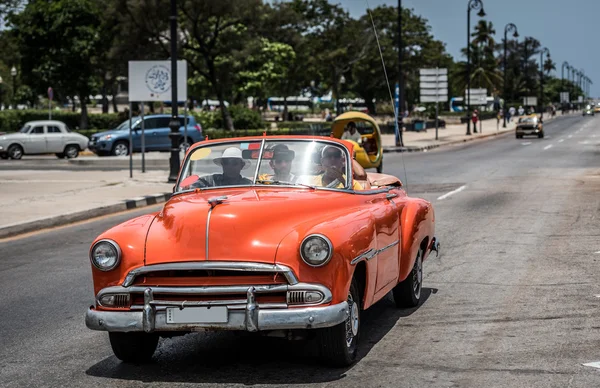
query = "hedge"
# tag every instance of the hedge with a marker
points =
(13, 120)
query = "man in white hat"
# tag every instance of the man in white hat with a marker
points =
(232, 162)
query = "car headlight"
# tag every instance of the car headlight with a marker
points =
(105, 137)
(105, 255)
(316, 250)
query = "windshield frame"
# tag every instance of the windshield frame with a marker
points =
(348, 185)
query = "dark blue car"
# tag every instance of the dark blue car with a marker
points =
(156, 129)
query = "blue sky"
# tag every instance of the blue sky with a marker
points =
(567, 28)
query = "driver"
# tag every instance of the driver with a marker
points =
(351, 133)
(281, 163)
(232, 163)
(332, 159)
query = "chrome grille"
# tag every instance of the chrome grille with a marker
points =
(295, 297)
(122, 300)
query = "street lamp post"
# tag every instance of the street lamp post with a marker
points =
(13, 72)
(174, 123)
(1, 92)
(562, 75)
(400, 112)
(475, 5)
(337, 98)
(509, 28)
(541, 103)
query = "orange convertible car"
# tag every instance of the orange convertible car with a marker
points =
(273, 234)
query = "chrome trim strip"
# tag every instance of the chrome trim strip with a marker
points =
(213, 265)
(217, 290)
(207, 232)
(260, 154)
(385, 248)
(139, 307)
(368, 255)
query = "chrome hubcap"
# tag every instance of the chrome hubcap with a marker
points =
(418, 276)
(121, 149)
(71, 152)
(16, 152)
(352, 322)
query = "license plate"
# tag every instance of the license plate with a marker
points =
(216, 314)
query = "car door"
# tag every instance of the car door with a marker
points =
(55, 140)
(387, 224)
(163, 141)
(152, 136)
(36, 140)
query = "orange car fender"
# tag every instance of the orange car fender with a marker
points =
(351, 235)
(131, 238)
(418, 219)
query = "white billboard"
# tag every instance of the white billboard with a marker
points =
(151, 81)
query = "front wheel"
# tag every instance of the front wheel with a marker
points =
(121, 148)
(339, 344)
(541, 135)
(15, 152)
(408, 292)
(71, 151)
(380, 167)
(133, 347)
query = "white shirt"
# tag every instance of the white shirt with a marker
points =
(354, 137)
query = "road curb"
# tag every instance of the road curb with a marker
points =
(65, 219)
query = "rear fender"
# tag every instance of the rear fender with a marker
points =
(418, 224)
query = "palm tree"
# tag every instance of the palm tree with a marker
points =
(549, 65)
(484, 34)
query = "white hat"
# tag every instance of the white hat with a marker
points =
(232, 153)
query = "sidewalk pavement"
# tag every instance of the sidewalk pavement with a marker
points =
(34, 199)
(451, 135)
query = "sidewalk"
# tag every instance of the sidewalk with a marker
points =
(33, 199)
(452, 134)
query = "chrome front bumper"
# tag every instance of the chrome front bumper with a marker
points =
(248, 317)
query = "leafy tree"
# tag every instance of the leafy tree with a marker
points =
(58, 42)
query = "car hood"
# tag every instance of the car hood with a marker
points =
(247, 226)
(11, 136)
(112, 132)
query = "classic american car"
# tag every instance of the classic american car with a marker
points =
(279, 235)
(529, 125)
(42, 137)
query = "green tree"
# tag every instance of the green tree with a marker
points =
(59, 42)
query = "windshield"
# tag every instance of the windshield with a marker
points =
(528, 120)
(25, 129)
(318, 164)
(125, 124)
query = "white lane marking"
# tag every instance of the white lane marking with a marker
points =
(570, 136)
(593, 135)
(595, 364)
(584, 142)
(597, 253)
(561, 140)
(461, 188)
(548, 146)
(526, 143)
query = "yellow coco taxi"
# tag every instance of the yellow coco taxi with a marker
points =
(368, 149)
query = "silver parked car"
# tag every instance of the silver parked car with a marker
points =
(42, 137)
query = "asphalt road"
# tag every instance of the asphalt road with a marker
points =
(512, 301)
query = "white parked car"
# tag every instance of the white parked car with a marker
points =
(42, 137)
